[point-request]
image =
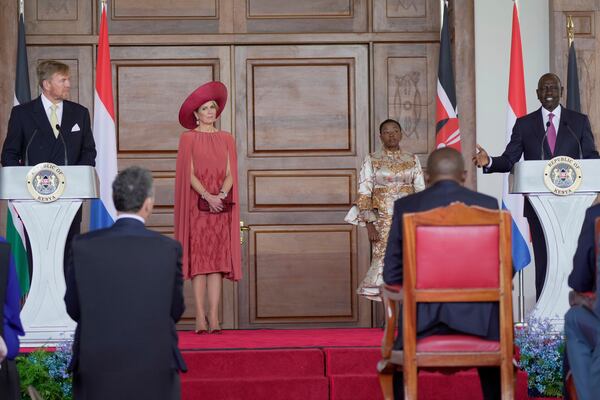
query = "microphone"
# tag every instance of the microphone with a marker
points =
(546, 139)
(63, 142)
(35, 131)
(565, 123)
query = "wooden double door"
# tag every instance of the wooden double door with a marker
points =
(309, 82)
(303, 117)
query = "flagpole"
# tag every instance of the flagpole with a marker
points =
(22, 7)
(570, 30)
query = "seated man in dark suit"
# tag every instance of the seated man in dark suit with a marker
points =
(11, 327)
(444, 177)
(125, 291)
(582, 321)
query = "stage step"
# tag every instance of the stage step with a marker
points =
(312, 364)
(235, 388)
(272, 363)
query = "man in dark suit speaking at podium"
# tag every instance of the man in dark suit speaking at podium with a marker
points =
(548, 132)
(50, 128)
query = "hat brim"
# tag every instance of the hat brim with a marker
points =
(209, 91)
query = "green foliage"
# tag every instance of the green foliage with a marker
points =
(541, 351)
(47, 372)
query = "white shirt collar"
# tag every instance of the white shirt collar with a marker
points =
(47, 103)
(130, 215)
(556, 113)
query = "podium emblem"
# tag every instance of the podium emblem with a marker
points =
(562, 175)
(46, 182)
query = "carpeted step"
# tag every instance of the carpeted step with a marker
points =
(271, 363)
(236, 388)
(352, 360)
(463, 385)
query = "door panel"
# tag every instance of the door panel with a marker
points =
(150, 84)
(302, 130)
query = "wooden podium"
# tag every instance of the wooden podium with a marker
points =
(44, 314)
(561, 217)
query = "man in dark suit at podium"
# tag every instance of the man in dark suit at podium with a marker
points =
(582, 321)
(445, 176)
(125, 291)
(548, 132)
(50, 128)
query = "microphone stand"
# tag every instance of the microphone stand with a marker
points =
(60, 135)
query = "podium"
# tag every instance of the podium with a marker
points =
(561, 218)
(44, 315)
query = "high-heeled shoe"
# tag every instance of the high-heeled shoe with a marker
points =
(205, 330)
(216, 330)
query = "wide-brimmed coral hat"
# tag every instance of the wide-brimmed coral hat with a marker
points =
(209, 91)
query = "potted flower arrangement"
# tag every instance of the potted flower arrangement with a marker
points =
(47, 372)
(540, 354)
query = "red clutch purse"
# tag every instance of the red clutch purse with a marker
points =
(227, 203)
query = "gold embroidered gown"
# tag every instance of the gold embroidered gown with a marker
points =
(385, 176)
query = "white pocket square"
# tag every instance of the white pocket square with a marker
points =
(75, 128)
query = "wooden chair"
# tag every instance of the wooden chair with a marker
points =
(33, 393)
(457, 253)
(570, 384)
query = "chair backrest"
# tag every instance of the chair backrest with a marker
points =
(457, 253)
(33, 393)
(453, 257)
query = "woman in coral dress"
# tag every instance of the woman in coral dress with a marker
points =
(206, 202)
(385, 176)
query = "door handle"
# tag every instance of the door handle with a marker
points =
(243, 228)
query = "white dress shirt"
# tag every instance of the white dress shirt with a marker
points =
(555, 119)
(545, 119)
(59, 109)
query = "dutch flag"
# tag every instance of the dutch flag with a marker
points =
(517, 107)
(103, 211)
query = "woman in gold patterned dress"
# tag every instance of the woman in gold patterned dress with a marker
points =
(385, 176)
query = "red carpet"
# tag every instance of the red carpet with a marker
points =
(308, 364)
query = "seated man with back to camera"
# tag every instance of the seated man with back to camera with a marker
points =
(445, 178)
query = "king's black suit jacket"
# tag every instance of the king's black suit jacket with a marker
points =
(29, 119)
(528, 136)
(125, 291)
(481, 319)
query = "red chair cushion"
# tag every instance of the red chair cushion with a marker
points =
(455, 257)
(451, 343)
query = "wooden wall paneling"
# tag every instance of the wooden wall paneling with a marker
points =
(302, 120)
(59, 17)
(173, 17)
(78, 58)
(405, 15)
(405, 90)
(150, 84)
(303, 274)
(311, 16)
(295, 190)
(462, 17)
(585, 16)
